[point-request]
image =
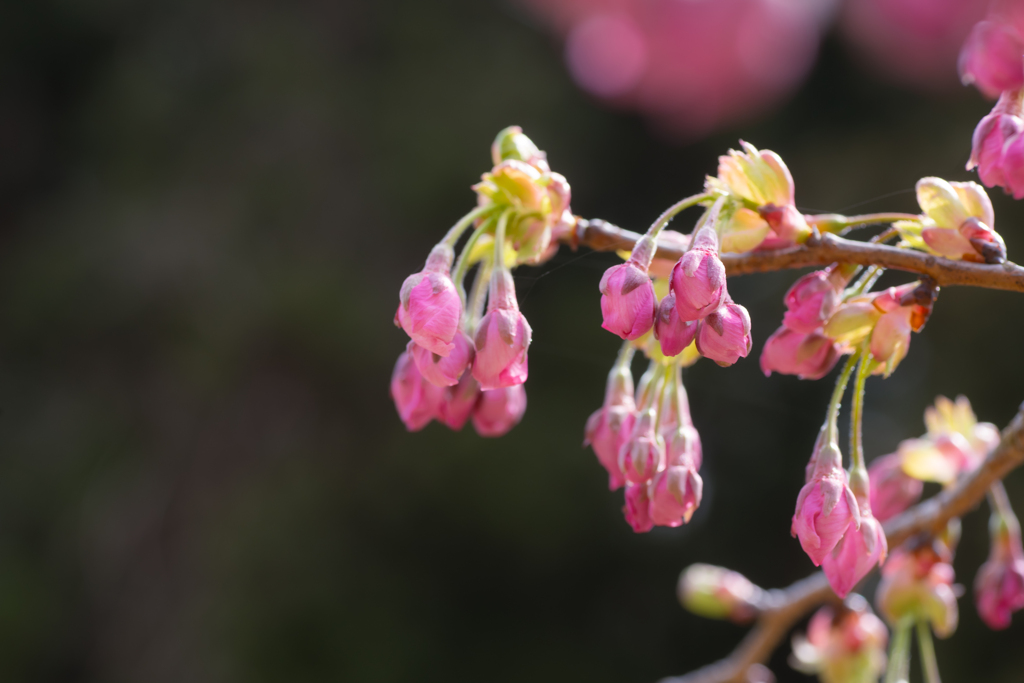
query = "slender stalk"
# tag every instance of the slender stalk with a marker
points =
(676, 208)
(663, 395)
(926, 647)
(462, 265)
(866, 281)
(625, 357)
(898, 670)
(455, 232)
(857, 411)
(499, 240)
(837, 394)
(1000, 503)
(876, 218)
(478, 297)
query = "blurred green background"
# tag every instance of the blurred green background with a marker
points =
(206, 211)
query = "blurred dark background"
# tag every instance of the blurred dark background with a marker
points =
(206, 211)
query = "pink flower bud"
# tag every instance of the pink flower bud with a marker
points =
(991, 58)
(892, 491)
(643, 453)
(918, 584)
(718, 593)
(808, 356)
(444, 371)
(430, 307)
(628, 303)
(682, 446)
(499, 410)
(826, 506)
(637, 508)
(502, 338)
(698, 279)
(1012, 165)
(787, 223)
(890, 340)
(459, 401)
(673, 334)
(847, 647)
(999, 585)
(988, 143)
(811, 301)
(724, 336)
(858, 551)
(675, 494)
(416, 399)
(610, 426)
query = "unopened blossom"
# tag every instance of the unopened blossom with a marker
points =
(628, 302)
(999, 585)
(637, 508)
(445, 371)
(458, 402)
(808, 356)
(991, 143)
(917, 583)
(610, 425)
(499, 410)
(643, 453)
(512, 143)
(812, 300)
(892, 490)
(502, 338)
(416, 399)
(844, 647)
(991, 58)
(429, 306)
(825, 507)
(675, 494)
(672, 333)
(959, 221)
(724, 335)
(718, 593)
(861, 548)
(698, 279)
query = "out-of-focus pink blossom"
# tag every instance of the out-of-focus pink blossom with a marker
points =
(892, 491)
(988, 145)
(416, 399)
(848, 647)
(675, 494)
(673, 333)
(858, 551)
(607, 54)
(724, 336)
(458, 402)
(992, 58)
(637, 508)
(811, 301)
(826, 506)
(502, 338)
(628, 303)
(429, 305)
(808, 356)
(444, 371)
(611, 424)
(499, 410)
(918, 583)
(643, 453)
(698, 280)
(999, 585)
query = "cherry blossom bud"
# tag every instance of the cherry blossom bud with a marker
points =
(826, 507)
(861, 548)
(811, 301)
(458, 402)
(991, 58)
(445, 371)
(698, 279)
(892, 491)
(499, 410)
(637, 508)
(724, 336)
(511, 143)
(628, 303)
(718, 593)
(787, 223)
(890, 339)
(610, 425)
(988, 145)
(675, 494)
(673, 334)
(917, 583)
(808, 356)
(502, 338)
(999, 585)
(960, 217)
(416, 399)
(430, 307)
(643, 453)
(848, 647)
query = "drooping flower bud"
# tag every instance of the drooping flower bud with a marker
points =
(988, 144)
(698, 279)
(826, 506)
(811, 301)
(628, 303)
(502, 338)
(718, 593)
(499, 410)
(999, 585)
(862, 546)
(892, 491)
(675, 494)
(445, 371)
(847, 647)
(637, 508)
(808, 356)
(416, 399)
(430, 307)
(643, 453)
(673, 333)
(610, 425)
(917, 583)
(991, 58)
(724, 336)
(458, 402)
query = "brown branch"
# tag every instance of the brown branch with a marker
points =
(783, 608)
(602, 236)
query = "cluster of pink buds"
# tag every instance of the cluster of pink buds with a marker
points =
(464, 362)
(992, 59)
(917, 584)
(957, 222)
(845, 645)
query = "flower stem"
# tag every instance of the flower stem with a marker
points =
(898, 670)
(927, 650)
(848, 222)
(499, 240)
(625, 357)
(462, 265)
(837, 395)
(676, 208)
(478, 297)
(866, 281)
(455, 232)
(857, 412)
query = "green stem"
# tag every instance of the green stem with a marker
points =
(857, 412)
(478, 297)
(666, 380)
(927, 650)
(625, 357)
(455, 232)
(859, 221)
(462, 265)
(499, 241)
(898, 670)
(681, 396)
(837, 395)
(866, 281)
(676, 208)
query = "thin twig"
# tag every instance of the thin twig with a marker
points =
(781, 609)
(602, 236)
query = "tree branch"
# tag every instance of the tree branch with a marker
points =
(783, 608)
(602, 236)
